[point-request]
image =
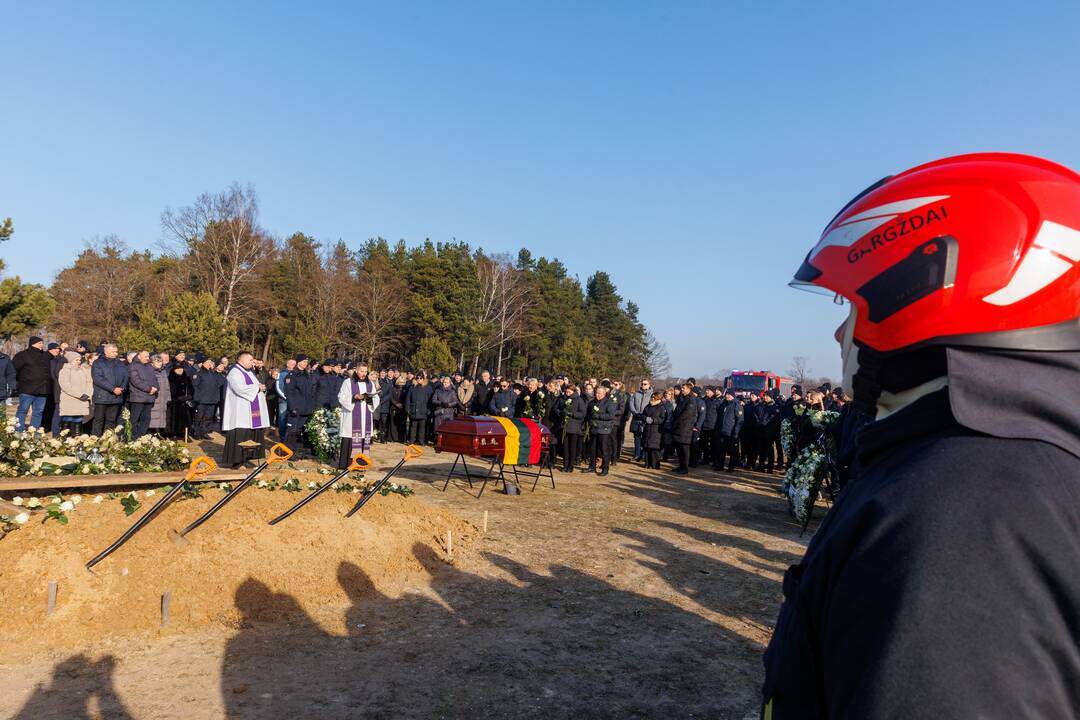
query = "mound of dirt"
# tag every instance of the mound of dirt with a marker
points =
(234, 569)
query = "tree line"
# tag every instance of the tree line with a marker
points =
(220, 282)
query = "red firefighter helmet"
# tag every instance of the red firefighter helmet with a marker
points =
(974, 250)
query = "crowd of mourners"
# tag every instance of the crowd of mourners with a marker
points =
(84, 391)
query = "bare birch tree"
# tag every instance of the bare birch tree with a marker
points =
(503, 308)
(223, 242)
(381, 309)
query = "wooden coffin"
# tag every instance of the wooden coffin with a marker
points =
(478, 436)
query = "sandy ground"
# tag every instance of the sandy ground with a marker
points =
(641, 594)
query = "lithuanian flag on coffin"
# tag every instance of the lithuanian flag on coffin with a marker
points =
(522, 444)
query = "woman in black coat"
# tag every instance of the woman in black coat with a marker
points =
(397, 410)
(572, 413)
(655, 413)
(682, 427)
(178, 418)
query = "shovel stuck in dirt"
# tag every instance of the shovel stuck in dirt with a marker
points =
(278, 453)
(411, 453)
(200, 468)
(360, 462)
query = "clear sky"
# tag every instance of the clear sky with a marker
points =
(692, 150)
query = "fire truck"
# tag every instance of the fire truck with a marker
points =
(744, 382)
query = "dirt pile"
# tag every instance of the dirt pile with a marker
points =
(234, 569)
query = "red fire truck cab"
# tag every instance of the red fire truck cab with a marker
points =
(744, 382)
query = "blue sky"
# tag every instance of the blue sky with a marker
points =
(692, 150)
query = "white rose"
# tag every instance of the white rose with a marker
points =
(33, 503)
(67, 506)
(311, 486)
(22, 518)
(98, 499)
(14, 443)
(262, 483)
(76, 499)
(16, 500)
(151, 493)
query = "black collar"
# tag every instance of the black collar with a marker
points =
(926, 416)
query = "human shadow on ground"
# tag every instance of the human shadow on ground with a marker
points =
(75, 682)
(517, 644)
(719, 585)
(713, 495)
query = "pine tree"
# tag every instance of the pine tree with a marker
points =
(189, 321)
(577, 359)
(23, 306)
(433, 355)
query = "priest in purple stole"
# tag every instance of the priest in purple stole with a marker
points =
(358, 398)
(245, 417)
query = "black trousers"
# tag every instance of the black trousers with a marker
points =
(204, 420)
(682, 452)
(140, 418)
(619, 440)
(382, 424)
(778, 447)
(765, 457)
(695, 449)
(602, 449)
(105, 418)
(748, 446)
(728, 448)
(417, 431)
(652, 458)
(294, 431)
(705, 445)
(571, 451)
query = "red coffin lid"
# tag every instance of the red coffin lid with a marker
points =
(478, 425)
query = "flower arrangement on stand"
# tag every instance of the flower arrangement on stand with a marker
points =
(809, 467)
(321, 431)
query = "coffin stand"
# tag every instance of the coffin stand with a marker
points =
(482, 437)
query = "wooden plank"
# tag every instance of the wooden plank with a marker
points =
(50, 482)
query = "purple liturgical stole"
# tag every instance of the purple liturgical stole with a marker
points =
(256, 411)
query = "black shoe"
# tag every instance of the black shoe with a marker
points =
(589, 469)
(602, 473)
(681, 471)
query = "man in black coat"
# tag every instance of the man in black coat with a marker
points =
(417, 407)
(749, 435)
(382, 412)
(207, 389)
(695, 442)
(51, 418)
(729, 420)
(33, 373)
(682, 426)
(767, 419)
(110, 377)
(327, 385)
(483, 389)
(708, 424)
(300, 401)
(601, 416)
(503, 401)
